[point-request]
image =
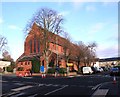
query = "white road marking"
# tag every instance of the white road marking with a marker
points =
(22, 88)
(18, 84)
(95, 87)
(48, 84)
(33, 95)
(28, 77)
(9, 94)
(3, 81)
(40, 84)
(17, 95)
(55, 85)
(102, 92)
(56, 90)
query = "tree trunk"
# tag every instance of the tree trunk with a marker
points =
(47, 63)
(78, 65)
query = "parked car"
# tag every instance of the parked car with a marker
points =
(105, 68)
(114, 71)
(100, 69)
(94, 69)
(119, 69)
(87, 70)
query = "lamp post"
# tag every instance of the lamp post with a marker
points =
(5, 68)
(85, 61)
(56, 56)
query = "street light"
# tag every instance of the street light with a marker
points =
(86, 61)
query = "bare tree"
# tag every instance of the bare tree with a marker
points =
(6, 55)
(89, 53)
(67, 47)
(85, 53)
(92, 48)
(50, 22)
(80, 52)
(3, 42)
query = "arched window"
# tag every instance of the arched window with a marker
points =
(43, 63)
(30, 43)
(38, 45)
(25, 46)
(34, 44)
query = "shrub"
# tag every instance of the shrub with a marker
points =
(62, 70)
(51, 64)
(79, 71)
(9, 69)
(35, 65)
(51, 70)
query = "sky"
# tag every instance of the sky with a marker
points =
(85, 21)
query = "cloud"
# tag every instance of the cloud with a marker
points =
(107, 51)
(108, 45)
(77, 5)
(13, 27)
(90, 8)
(83, 0)
(1, 20)
(107, 1)
(64, 13)
(60, 0)
(96, 28)
(17, 47)
(114, 35)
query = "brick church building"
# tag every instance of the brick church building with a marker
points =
(33, 49)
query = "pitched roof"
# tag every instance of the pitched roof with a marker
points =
(52, 37)
(110, 59)
(28, 58)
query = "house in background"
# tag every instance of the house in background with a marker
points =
(4, 65)
(109, 62)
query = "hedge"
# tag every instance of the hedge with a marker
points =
(9, 69)
(35, 65)
(79, 71)
(51, 70)
(62, 70)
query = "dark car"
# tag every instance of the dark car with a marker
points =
(114, 71)
(119, 69)
(94, 70)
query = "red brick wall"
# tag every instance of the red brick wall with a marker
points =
(25, 64)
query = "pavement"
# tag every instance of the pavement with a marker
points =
(108, 89)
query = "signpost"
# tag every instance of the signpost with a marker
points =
(42, 71)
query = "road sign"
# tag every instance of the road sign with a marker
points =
(42, 68)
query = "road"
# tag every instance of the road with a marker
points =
(84, 85)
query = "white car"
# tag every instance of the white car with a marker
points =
(101, 70)
(87, 70)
